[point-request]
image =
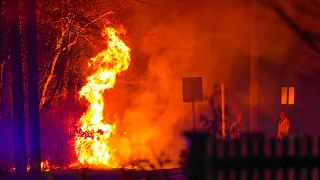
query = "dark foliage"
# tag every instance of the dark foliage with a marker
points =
(213, 124)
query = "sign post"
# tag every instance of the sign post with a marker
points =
(194, 115)
(192, 92)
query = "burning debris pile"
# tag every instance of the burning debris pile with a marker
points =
(46, 166)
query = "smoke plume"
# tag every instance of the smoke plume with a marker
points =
(194, 38)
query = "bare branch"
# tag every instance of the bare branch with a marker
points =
(69, 46)
(66, 30)
(89, 41)
(51, 74)
(61, 19)
(83, 28)
(99, 18)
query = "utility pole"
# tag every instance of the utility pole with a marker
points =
(17, 89)
(254, 69)
(33, 91)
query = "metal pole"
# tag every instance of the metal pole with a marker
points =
(33, 90)
(17, 89)
(223, 121)
(194, 115)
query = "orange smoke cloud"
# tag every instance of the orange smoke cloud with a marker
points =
(192, 39)
(211, 40)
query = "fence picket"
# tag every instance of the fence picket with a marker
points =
(285, 153)
(273, 155)
(226, 150)
(261, 153)
(237, 156)
(309, 155)
(297, 155)
(250, 156)
(214, 154)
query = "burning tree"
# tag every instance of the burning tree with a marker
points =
(71, 30)
(68, 35)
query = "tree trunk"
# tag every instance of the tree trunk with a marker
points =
(2, 76)
(43, 97)
(5, 92)
(2, 57)
(17, 89)
(33, 91)
(60, 76)
(2, 25)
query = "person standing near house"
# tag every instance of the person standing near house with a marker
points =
(283, 126)
(236, 128)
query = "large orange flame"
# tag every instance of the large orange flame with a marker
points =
(95, 128)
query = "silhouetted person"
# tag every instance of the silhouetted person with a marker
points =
(235, 129)
(283, 126)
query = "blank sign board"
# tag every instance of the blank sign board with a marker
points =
(192, 89)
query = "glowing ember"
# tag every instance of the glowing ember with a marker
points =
(45, 167)
(92, 139)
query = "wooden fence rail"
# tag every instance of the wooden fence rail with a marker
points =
(297, 158)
